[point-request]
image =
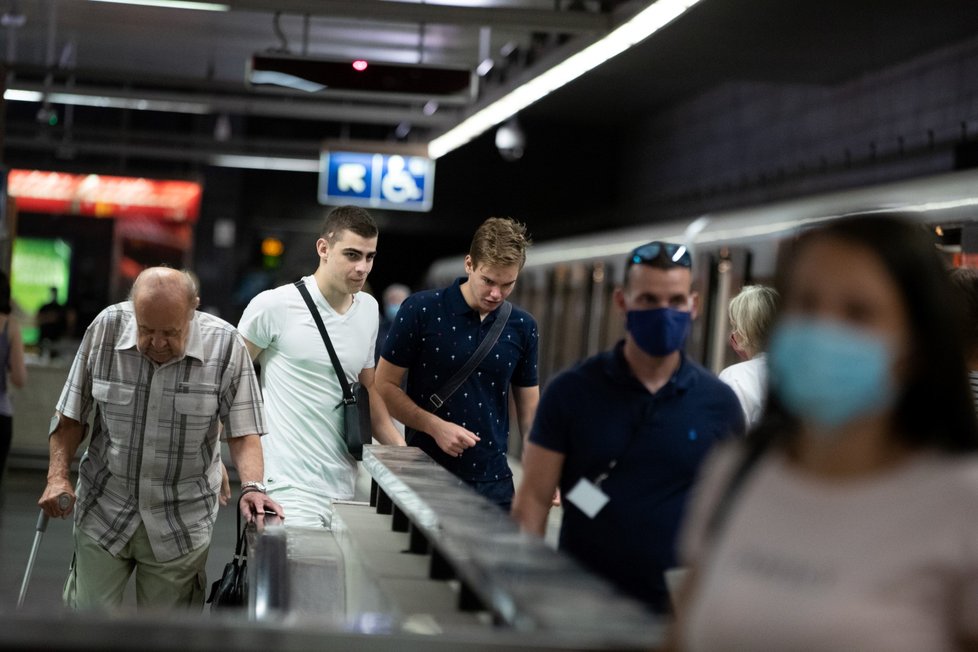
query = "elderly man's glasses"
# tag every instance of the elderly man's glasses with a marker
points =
(676, 254)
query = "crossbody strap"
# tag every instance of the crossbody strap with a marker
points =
(438, 398)
(348, 396)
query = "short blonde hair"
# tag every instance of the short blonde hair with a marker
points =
(752, 314)
(499, 242)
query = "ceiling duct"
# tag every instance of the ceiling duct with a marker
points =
(310, 74)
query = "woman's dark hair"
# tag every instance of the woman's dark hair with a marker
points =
(4, 294)
(936, 408)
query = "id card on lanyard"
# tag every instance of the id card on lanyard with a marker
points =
(588, 496)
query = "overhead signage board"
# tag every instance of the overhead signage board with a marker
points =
(376, 180)
(40, 191)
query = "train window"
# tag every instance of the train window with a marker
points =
(570, 343)
(550, 334)
(597, 297)
(613, 328)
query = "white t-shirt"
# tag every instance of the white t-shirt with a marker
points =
(305, 446)
(888, 562)
(748, 380)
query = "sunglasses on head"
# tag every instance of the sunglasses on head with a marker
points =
(671, 252)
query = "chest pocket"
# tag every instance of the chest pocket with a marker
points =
(198, 404)
(111, 393)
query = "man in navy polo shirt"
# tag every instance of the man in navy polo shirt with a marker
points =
(435, 333)
(624, 432)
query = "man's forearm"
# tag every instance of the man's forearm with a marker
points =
(380, 420)
(63, 443)
(530, 513)
(401, 407)
(246, 452)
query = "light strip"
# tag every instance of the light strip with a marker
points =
(266, 163)
(16, 95)
(284, 79)
(172, 4)
(641, 26)
(106, 102)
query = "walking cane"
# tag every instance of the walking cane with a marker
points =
(42, 524)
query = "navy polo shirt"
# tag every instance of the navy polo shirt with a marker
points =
(597, 412)
(433, 335)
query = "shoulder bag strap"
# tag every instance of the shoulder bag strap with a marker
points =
(438, 398)
(348, 396)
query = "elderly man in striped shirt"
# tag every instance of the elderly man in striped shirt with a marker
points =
(160, 377)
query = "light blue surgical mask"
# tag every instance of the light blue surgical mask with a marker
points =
(390, 310)
(658, 331)
(827, 373)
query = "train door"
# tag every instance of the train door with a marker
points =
(724, 272)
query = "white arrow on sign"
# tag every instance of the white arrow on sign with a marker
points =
(351, 176)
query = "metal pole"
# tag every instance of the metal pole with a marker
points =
(64, 500)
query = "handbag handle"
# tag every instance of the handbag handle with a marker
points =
(348, 397)
(239, 547)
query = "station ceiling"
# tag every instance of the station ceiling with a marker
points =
(146, 84)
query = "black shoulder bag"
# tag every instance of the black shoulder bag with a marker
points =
(356, 400)
(232, 589)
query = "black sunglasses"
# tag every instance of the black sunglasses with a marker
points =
(667, 252)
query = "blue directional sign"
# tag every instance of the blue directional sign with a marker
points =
(373, 180)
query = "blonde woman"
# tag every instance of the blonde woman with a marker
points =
(752, 313)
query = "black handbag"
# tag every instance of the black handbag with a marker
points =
(357, 430)
(232, 589)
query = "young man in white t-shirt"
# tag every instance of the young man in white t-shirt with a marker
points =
(307, 465)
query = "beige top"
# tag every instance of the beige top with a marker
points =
(888, 562)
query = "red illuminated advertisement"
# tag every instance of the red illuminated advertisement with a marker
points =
(97, 195)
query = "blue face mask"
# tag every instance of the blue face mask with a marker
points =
(827, 373)
(390, 311)
(659, 331)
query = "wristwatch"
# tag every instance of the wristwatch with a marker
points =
(253, 484)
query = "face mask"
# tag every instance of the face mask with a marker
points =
(390, 311)
(828, 374)
(659, 331)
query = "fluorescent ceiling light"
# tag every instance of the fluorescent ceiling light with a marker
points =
(266, 163)
(106, 102)
(15, 95)
(284, 79)
(641, 26)
(172, 4)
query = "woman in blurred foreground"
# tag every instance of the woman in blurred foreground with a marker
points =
(848, 520)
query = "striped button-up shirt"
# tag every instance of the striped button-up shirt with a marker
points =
(154, 453)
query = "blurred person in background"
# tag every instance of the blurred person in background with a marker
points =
(394, 295)
(965, 280)
(13, 369)
(52, 324)
(847, 520)
(752, 313)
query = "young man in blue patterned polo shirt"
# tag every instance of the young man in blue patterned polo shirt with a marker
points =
(433, 335)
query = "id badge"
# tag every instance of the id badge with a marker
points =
(587, 497)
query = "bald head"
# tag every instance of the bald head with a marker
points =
(163, 302)
(165, 282)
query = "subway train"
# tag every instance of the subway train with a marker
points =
(567, 284)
